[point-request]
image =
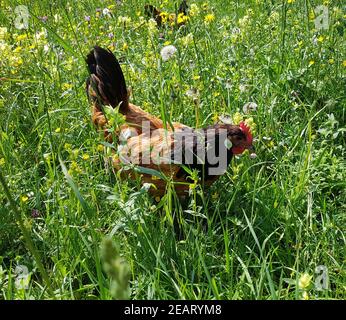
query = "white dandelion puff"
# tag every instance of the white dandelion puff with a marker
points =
(192, 93)
(242, 87)
(226, 119)
(106, 11)
(168, 52)
(228, 85)
(249, 106)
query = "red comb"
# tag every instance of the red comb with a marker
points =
(246, 129)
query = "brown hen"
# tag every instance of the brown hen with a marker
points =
(169, 153)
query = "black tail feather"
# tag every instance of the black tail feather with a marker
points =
(152, 12)
(106, 77)
(183, 8)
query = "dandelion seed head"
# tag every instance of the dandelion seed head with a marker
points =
(249, 107)
(106, 11)
(168, 52)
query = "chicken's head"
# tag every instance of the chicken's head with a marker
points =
(240, 138)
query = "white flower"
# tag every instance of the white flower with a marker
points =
(242, 87)
(3, 32)
(106, 12)
(192, 93)
(243, 22)
(253, 155)
(168, 52)
(226, 119)
(249, 106)
(236, 30)
(57, 18)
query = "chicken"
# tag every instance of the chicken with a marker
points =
(160, 17)
(161, 151)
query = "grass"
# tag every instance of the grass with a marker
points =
(262, 229)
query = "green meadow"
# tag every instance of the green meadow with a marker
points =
(272, 227)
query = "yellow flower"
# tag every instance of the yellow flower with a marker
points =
(74, 168)
(205, 6)
(271, 144)
(192, 186)
(344, 63)
(196, 77)
(320, 39)
(304, 281)
(164, 16)
(2, 161)
(194, 10)
(171, 17)
(85, 156)
(244, 21)
(125, 46)
(182, 18)
(187, 40)
(167, 43)
(58, 130)
(75, 153)
(152, 25)
(311, 62)
(100, 148)
(21, 37)
(18, 62)
(157, 199)
(66, 86)
(215, 117)
(237, 118)
(24, 198)
(209, 18)
(290, 1)
(331, 61)
(3, 33)
(215, 195)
